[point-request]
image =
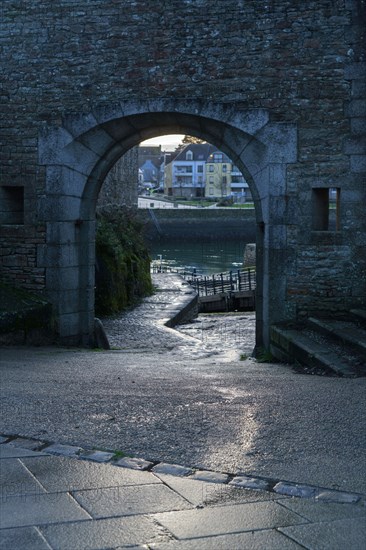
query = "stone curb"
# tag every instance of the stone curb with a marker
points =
(239, 480)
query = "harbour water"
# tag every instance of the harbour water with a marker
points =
(206, 257)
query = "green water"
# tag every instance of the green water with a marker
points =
(206, 257)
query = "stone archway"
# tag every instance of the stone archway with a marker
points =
(78, 156)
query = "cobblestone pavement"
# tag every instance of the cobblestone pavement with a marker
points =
(228, 335)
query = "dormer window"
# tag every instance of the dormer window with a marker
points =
(189, 155)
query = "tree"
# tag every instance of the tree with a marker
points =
(187, 140)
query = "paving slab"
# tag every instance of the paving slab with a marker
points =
(255, 540)
(334, 535)
(127, 501)
(104, 533)
(27, 538)
(26, 510)
(228, 519)
(67, 474)
(31, 444)
(10, 451)
(316, 511)
(15, 479)
(202, 493)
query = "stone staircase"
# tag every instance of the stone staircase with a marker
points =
(321, 345)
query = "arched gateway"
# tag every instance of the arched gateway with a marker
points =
(278, 86)
(78, 156)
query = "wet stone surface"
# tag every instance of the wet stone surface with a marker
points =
(230, 334)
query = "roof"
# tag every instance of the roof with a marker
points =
(200, 151)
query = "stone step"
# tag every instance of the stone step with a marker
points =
(348, 332)
(303, 345)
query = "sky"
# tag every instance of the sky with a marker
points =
(168, 143)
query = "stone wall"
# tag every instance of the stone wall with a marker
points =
(120, 186)
(69, 67)
(205, 224)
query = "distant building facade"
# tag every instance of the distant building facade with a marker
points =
(223, 178)
(200, 170)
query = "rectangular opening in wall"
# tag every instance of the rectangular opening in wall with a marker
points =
(11, 205)
(325, 209)
(334, 208)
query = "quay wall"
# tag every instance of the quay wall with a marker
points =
(203, 224)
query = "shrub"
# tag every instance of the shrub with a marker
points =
(122, 261)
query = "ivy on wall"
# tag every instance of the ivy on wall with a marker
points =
(122, 261)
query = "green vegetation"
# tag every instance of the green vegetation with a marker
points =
(118, 454)
(122, 261)
(264, 356)
(22, 310)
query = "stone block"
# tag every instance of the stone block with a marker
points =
(212, 477)
(358, 125)
(355, 146)
(10, 451)
(355, 108)
(77, 124)
(65, 278)
(134, 463)
(131, 500)
(69, 324)
(97, 456)
(117, 532)
(358, 163)
(343, 533)
(59, 209)
(63, 450)
(40, 509)
(171, 469)
(62, 180)
(17, 481)
(250, 483)
(61, 232)
(295, 490)
(58, 473)
(23, 537)
(50, 142)
(355, 71)
(227, 519)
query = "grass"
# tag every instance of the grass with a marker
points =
(264, 356)
(118, 454)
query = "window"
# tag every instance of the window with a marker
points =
(224, 168)
(211, 179)
(189, 155)
(200, 168)
(224, 179)
(12, 205)
(211, 191)
(211, 168)
(326, 209)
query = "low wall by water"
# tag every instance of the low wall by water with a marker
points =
(203, 224)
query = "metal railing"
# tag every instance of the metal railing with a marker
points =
(231, 281)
